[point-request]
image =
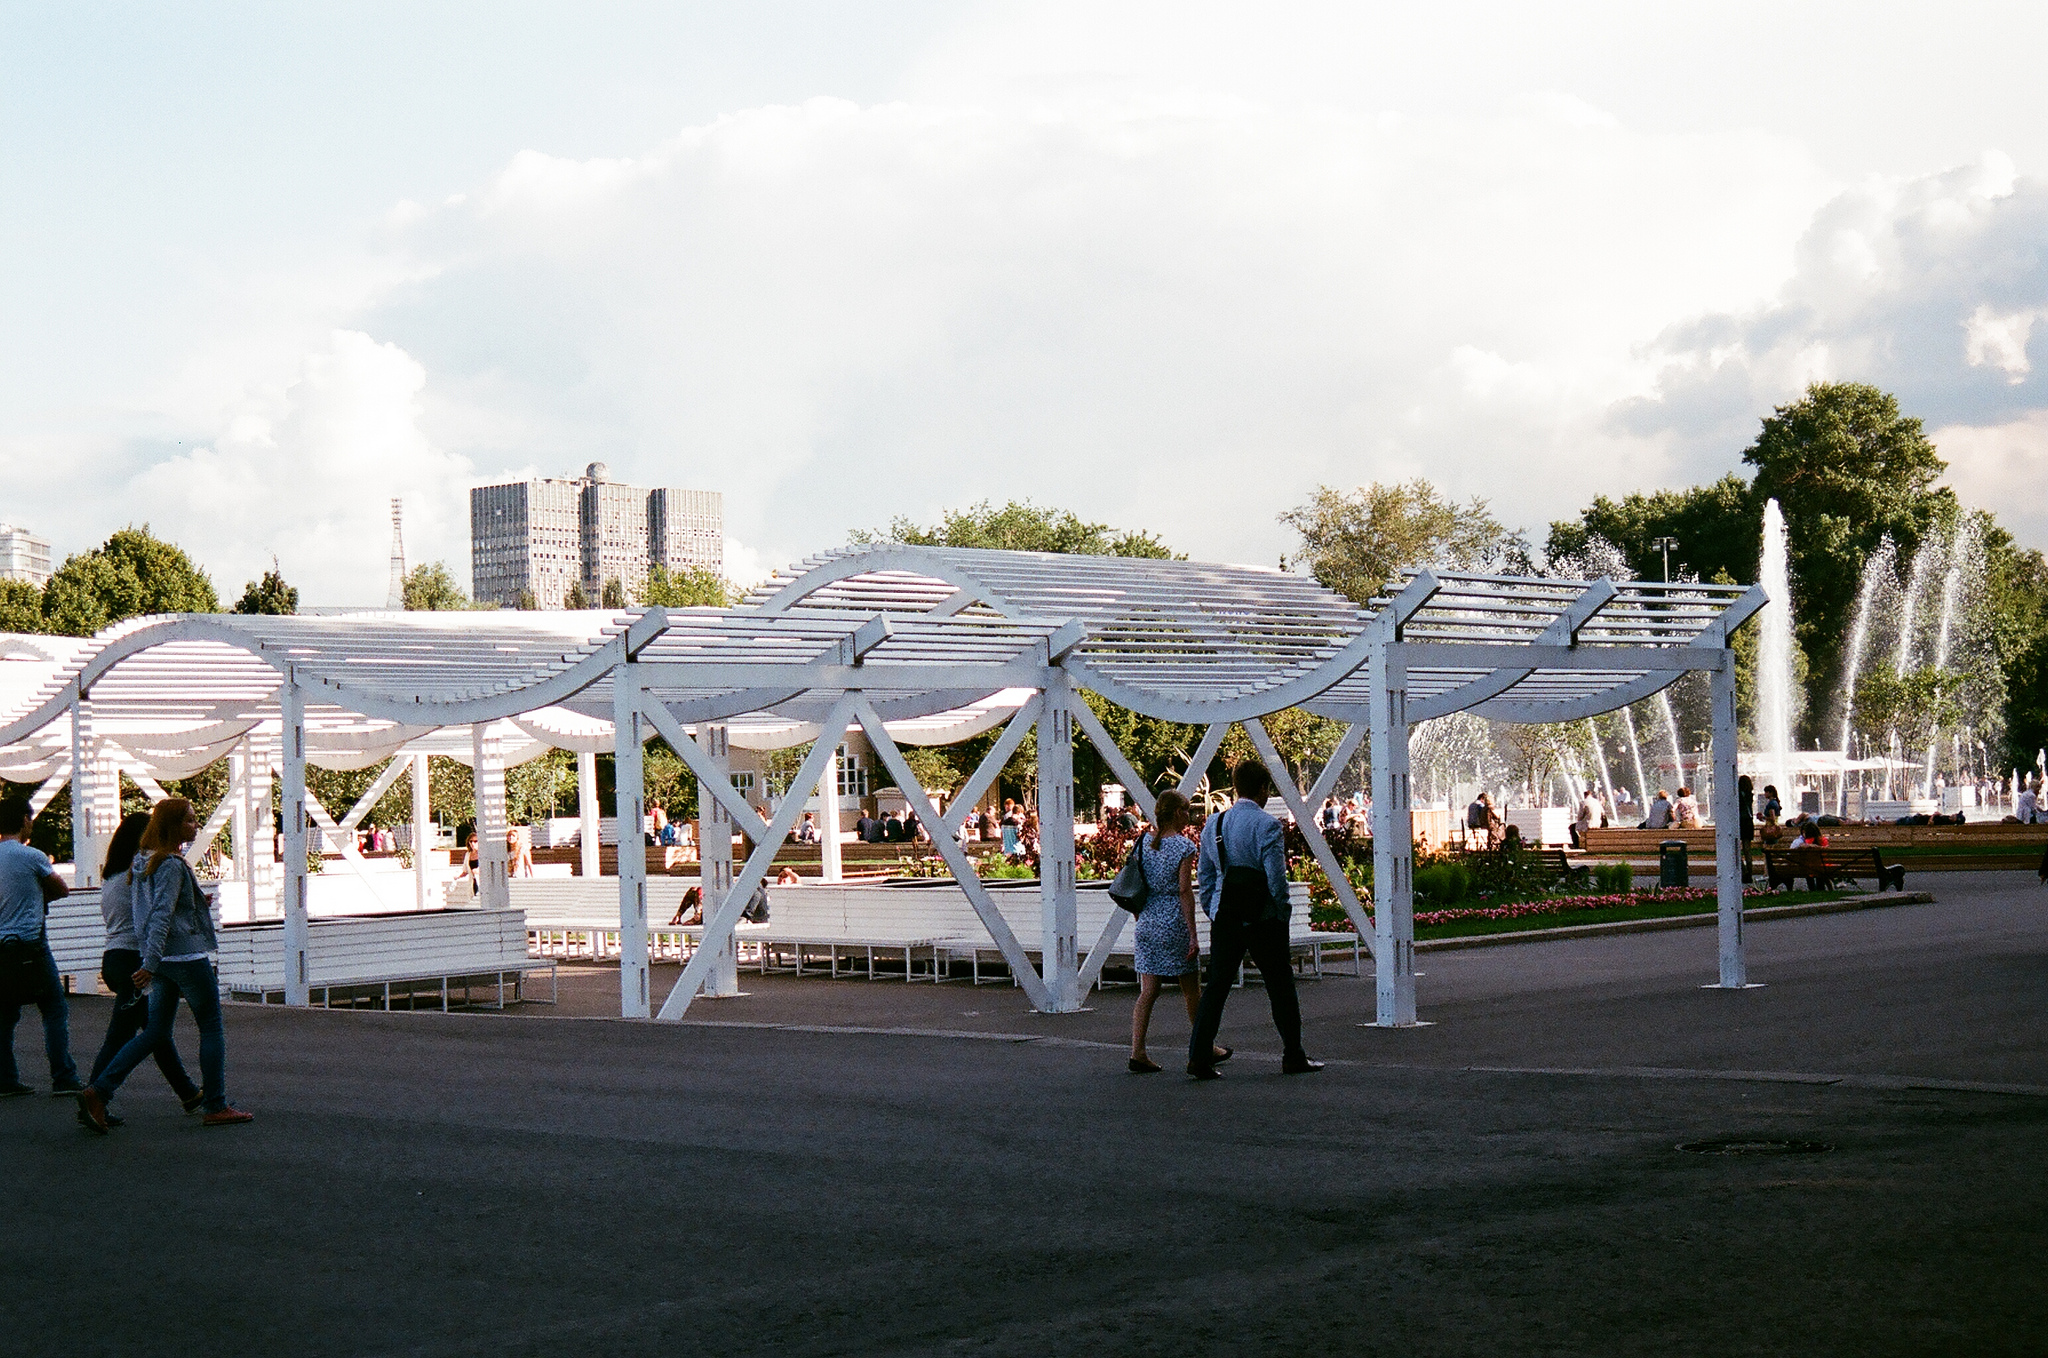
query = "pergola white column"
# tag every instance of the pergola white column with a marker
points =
(629, 794)
(1727, 830)
(1393, 845)
(714, 857)
(1059, 948)
(422, 880)
(487, 776)
(589, 840)
(89, 774)
(830, 865)
(291, 701)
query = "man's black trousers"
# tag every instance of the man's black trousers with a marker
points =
(1232, 939)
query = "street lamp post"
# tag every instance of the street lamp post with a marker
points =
(1664, 545)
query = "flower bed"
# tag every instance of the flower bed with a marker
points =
(1555, 905)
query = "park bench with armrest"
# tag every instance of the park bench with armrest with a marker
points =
(1824, 866)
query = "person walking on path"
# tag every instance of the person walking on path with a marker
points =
(119, 962)
(27, 886)
(1242, 880)
(1165, 932)
(174, 933)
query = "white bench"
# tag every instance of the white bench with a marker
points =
(856, 919)
(382, 953)
(567, 916)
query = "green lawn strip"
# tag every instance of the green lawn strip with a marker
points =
(1648, 910)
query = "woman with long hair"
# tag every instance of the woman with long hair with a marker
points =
(174, 934)
(1166, 944)
(120, 961)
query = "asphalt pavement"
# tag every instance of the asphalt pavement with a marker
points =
(855, 1167)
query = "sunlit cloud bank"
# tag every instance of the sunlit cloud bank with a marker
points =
(1176, 312)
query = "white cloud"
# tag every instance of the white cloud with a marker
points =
(1994, 340)
(1927, 286)
(308, 477)
(2003, 468)
(837, 313)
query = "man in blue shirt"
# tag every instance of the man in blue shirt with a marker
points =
(1241, 882)
(27, 883)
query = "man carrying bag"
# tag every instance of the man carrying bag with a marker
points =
(1242, 887)
(28, 974)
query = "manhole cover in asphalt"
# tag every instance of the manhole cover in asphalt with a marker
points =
(1742, 1145)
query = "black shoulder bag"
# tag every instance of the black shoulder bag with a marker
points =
(1129, 890)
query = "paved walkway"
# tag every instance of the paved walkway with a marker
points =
(510, 1185)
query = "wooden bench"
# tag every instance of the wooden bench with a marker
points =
(1822, 867)
(1556, 862)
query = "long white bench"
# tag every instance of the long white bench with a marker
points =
(380, 954)
(572, 916)
(838, 919)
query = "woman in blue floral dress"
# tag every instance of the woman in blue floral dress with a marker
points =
(1166, 945)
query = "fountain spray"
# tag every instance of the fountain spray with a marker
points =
(1774, 660)
(1635, 748)
(1881, 564)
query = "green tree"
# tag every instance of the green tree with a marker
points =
(1021, 526)
(527, 601)
(693, 587)
(268, 595)
(614, 595)
(574, 597)
(21, 607)
(431, 588)
(1719, 528)
(133, 574)
(1846, 467)
(1357, 542)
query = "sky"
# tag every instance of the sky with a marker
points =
(1171, 266)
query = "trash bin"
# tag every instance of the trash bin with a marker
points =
(1672, 869)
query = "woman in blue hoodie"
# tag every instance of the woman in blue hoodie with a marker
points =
(174, 934)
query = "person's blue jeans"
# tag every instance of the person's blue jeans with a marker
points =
(200, 989)
(131, 1015)
(56, 1027)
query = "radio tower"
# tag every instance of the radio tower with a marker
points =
(397, 599)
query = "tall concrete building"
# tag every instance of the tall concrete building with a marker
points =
(24, 556)
(543, 535)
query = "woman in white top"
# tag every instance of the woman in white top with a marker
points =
(122, 957)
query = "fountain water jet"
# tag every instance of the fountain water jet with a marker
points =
(1671, 730)
(1774, 659)
(1881, 565)
(1628, 721)
(1958, 553)
(1600, 753)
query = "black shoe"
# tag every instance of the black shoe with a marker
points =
(192, 1104)
(86, 1122)
(1204, 1072)
(70, 1088)
(1299, 1065)
(15, 1091)
(1222, 1054)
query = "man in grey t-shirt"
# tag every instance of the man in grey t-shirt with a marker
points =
(27, 883)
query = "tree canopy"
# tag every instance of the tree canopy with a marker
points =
(1356, 542)
(268, 595)
(1022, 527)
(131, 575)
(1719, 528)
(694, 587)
(432, 588)
(1848, 469)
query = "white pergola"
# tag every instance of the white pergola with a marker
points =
(909, 644)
